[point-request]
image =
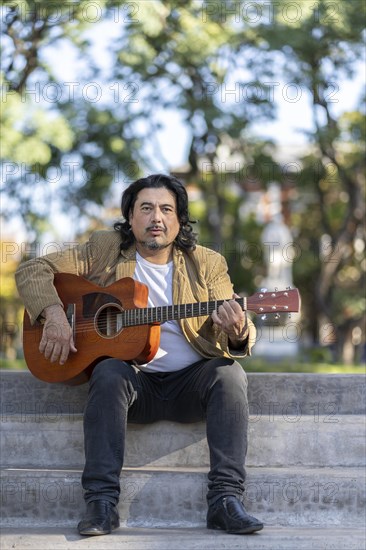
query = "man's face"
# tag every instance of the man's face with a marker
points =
(154, 220)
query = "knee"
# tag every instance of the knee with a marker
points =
(111, 373)
(232, 373)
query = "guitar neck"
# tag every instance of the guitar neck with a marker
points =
(151, 315)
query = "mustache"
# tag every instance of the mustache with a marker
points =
(161, 227)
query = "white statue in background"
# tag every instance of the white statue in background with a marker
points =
(277, 243)
(278, 336)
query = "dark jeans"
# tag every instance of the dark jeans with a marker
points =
(214, 390)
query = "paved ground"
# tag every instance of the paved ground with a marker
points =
(270, 538)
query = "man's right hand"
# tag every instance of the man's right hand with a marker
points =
(57, 340)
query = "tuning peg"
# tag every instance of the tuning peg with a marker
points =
(264, 290)
(263, 317)
(276, 288)
(289, 315)
(277, 316)
(288, 288)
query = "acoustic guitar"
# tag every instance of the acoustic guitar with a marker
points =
(114, 321)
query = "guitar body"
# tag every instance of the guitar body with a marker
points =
(97, 334)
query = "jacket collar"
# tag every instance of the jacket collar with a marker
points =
(130, 253)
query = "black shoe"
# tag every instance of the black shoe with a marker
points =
(101, 517)
(229, 514)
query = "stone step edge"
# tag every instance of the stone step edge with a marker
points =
(290, 418)
(172, 538)
(167, 443)
(345, 392)
(196, 469)
(281, 496)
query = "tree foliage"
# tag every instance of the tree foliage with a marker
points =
(71, 139)
(58, 136)
(327, 47)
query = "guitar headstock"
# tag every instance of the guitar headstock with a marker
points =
(276, 301)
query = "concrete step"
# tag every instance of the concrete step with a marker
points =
(154, 497)
(269, 393)
(271, 538)
(311, 425)
(274, 440)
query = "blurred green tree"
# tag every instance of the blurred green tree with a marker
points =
(57, 135)
(316, 54)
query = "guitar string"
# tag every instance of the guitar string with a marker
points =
(132, 317)
(148, 316)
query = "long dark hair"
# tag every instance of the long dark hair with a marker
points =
(186, 238)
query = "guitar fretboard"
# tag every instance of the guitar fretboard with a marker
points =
(150, 315)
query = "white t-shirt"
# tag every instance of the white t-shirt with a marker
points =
(174, 352)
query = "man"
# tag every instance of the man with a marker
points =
(156, 246)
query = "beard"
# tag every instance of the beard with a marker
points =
(153, 245)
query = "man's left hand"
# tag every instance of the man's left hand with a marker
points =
(233, 321)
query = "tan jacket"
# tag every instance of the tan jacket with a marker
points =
(198, 276)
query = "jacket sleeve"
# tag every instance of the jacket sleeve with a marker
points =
(220, 287)
(34, 278)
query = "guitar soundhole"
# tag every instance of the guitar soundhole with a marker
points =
(108, 320)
